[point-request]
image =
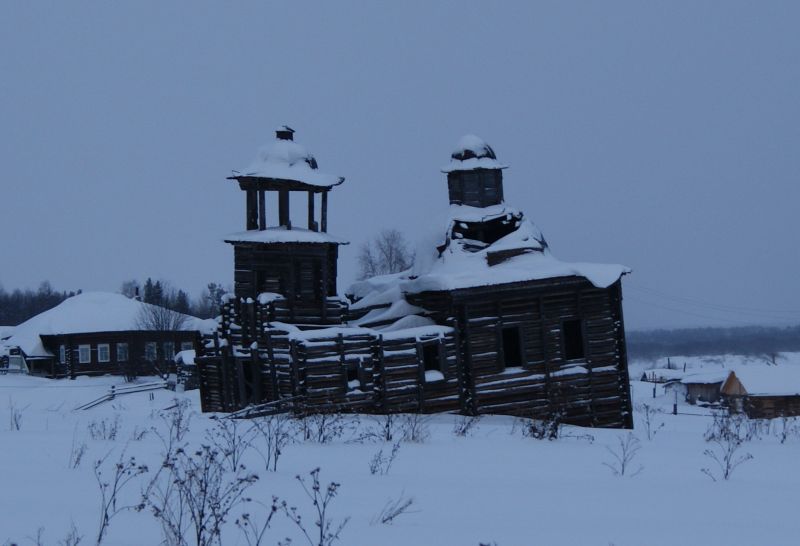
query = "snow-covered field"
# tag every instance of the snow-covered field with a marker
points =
(492, 486)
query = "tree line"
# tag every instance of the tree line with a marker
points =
(20, 305)
(163, 294)
(744, 340)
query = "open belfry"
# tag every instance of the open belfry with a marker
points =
(486, 321)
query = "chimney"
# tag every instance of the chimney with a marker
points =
(285, 133)
(136, 295)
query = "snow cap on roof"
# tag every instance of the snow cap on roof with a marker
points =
(472, 152)
(285, 159)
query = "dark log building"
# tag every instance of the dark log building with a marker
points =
(488, 322)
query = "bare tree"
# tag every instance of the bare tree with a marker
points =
(157, 318)
(388, 252)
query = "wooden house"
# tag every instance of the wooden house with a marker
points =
(487, 320)
(763, 392)
(99, 333)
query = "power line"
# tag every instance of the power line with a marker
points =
(775, 314)
(685, 312)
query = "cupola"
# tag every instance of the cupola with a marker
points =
(474, 176)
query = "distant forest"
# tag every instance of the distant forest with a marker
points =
(20, 305)
(747, 340)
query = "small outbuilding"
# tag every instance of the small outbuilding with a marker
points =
(704, 386)
(764, 392)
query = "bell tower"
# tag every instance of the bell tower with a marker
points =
(274, 259)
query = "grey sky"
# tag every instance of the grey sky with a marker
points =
(665, 136)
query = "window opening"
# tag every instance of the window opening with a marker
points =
(432, 362)
(573, 339)
(512, 348)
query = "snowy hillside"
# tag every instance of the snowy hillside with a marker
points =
(493, 485)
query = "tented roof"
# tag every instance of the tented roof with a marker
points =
(288, 160)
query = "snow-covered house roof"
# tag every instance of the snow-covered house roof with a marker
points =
(6, 331)
(705, 378)
(765, 380)
(285, 159)
(281, 234)
(472, 152)
(85, 313)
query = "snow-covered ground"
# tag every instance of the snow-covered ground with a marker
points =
(493, 486)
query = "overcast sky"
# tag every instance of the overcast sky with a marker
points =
(664, 136)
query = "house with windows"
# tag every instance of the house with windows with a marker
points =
(98, 333)
(486, 321)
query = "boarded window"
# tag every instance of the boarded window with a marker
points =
(122, 352)
(512, 348)
(572, 331)
(431, 360)
(187, 345)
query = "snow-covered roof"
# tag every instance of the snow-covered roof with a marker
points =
(457, 268)
(85, 313)
(472, 152)
(283, 235)
(525, 256)
(705, 378)
(6, 331)
(287, 160)
(763, 380)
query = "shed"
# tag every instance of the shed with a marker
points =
(764, 392)
(704, 386)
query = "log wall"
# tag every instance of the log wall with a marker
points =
(271, 364)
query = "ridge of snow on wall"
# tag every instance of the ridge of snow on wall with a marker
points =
(283, 235)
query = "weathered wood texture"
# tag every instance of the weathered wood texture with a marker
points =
(592, 390)
(368, 372)
(475, 187)
(304, 274)
(766, 407)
